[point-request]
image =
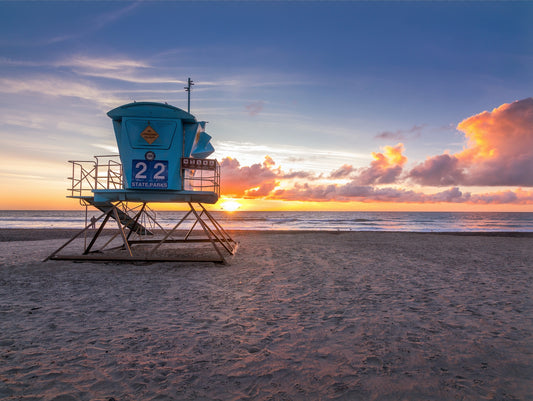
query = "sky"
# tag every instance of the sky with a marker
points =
(312, 105)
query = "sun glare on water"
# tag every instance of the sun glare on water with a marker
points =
(230, 205)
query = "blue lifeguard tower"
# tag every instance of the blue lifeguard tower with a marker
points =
(163, 157)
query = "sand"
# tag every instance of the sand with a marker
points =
(297, 316)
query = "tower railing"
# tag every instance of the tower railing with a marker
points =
(201, 177)
(106, 172)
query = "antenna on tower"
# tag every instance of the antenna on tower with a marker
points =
(188, 90)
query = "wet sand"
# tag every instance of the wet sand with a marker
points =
(297, 316)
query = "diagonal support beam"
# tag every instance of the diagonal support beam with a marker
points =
(169, 233)
(208, 232)
(98, 232)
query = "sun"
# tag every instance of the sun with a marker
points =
(230, 205)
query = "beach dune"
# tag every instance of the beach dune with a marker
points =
(297, 316)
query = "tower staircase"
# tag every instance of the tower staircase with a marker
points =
(125, 219)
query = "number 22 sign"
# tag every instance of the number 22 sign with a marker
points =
(149, 174)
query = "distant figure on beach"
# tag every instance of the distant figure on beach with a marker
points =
(93, 222)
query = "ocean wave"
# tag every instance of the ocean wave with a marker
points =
(336, 221)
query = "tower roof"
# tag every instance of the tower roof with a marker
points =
(150, 109)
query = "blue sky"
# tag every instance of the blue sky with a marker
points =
(315, 85)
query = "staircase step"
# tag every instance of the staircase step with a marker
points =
(125, 219)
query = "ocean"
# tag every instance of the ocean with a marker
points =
(334, 221)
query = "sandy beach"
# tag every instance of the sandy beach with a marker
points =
(296, 316)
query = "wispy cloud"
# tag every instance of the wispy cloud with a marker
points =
(110, 17)
(100, 63)
(26, 121)
(401, 135)
(95, 24)
(54, 87)
(22, 176)
(113, 149)
(292, 151)
(83, 128)
(116, 68)
(300, 158)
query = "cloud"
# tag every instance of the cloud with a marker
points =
(385, 168)
(111, 17)
(252, 181)
(300, 174)
(500, 145)
(499, 151)
(257, 180)
(342, 172)
(452, 195)
(303, 161)
(366, 193)
(438, 170)
(97, 23)
(401, 135)
(116, 68)
(504, 197)
(113, 149)
(306, 192)
(262, 191)
(101, 63)
(295, 153)
(57, 87)
(266, 181)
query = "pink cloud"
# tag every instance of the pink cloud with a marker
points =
(438, 170)
(238, 180)
(505, 197)
(262, 191)
(263, 181)
(366, 193)
(385, 168)
(499, 151)
(305, 192)
(342, 172)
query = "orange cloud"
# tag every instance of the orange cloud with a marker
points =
(262, 181)
(257, 180)
(499, 151)
(385, 168)
(239, 181)
(262, 191)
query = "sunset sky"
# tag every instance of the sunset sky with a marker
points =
(312, 105)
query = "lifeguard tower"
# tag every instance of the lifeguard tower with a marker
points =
(163, 157)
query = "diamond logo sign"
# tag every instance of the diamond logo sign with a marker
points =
(149, 134)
